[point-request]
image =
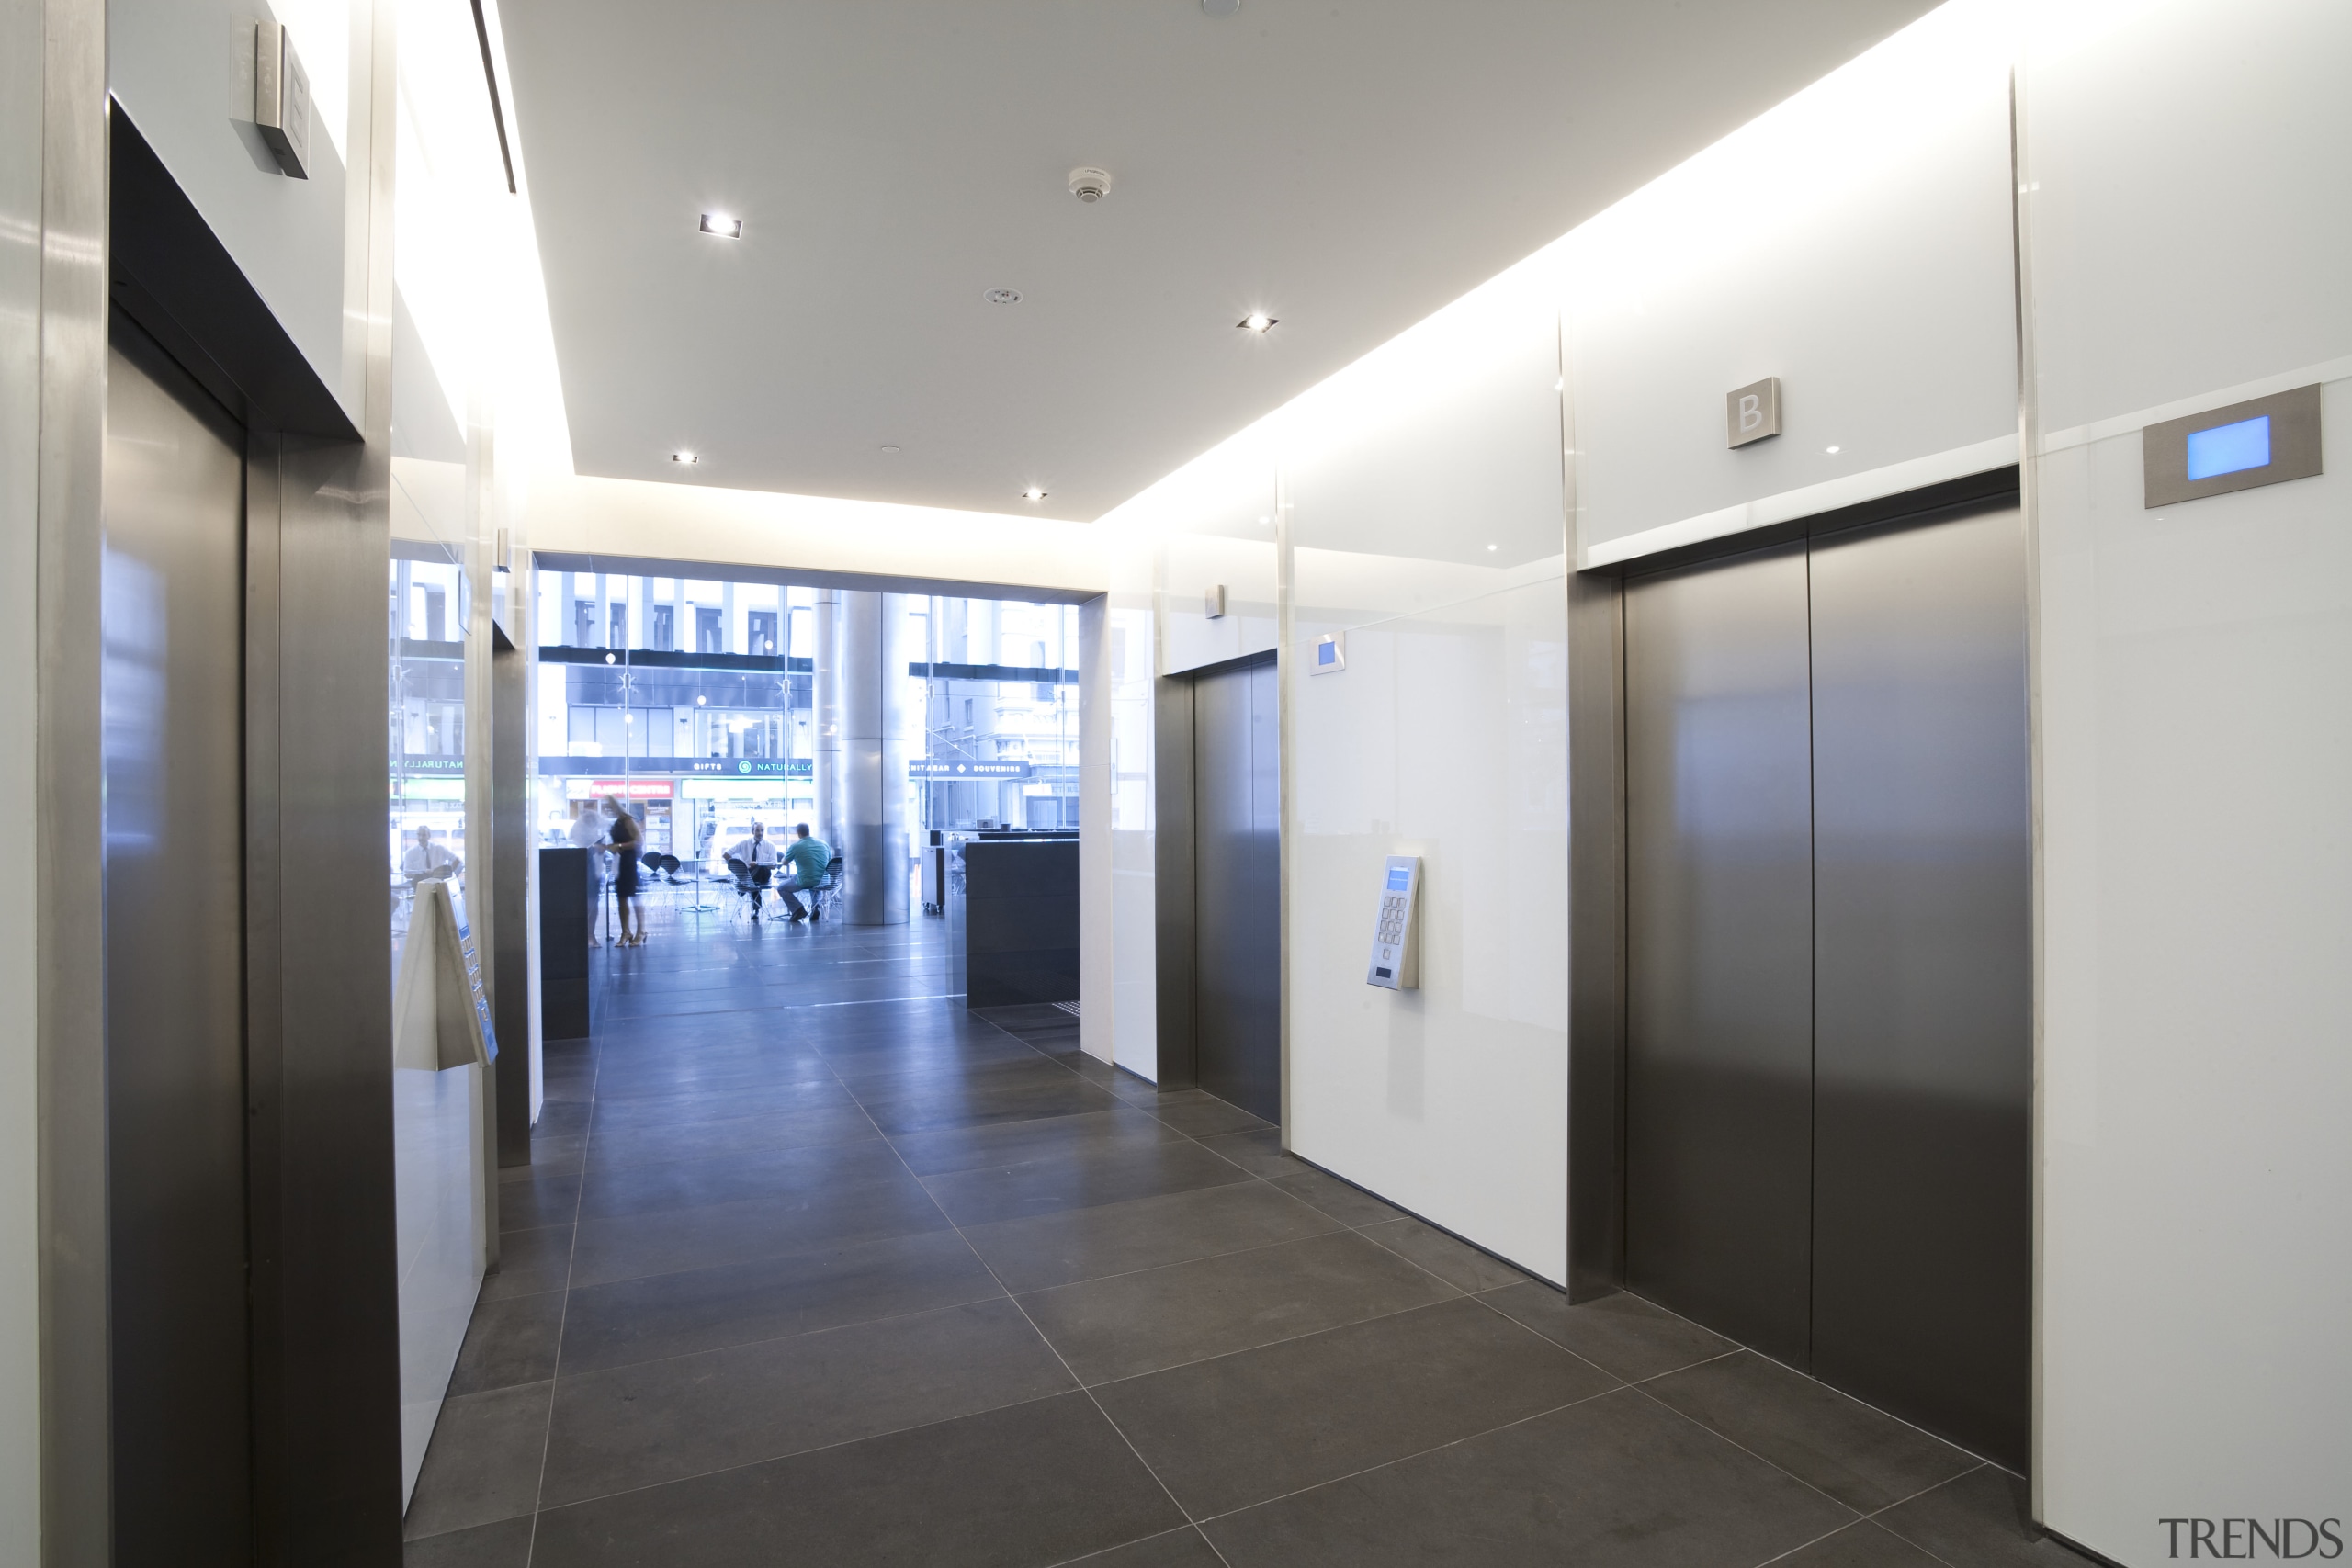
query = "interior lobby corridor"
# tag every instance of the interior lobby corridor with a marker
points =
(813, 1266)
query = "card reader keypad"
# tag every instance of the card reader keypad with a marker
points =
(1395, 965)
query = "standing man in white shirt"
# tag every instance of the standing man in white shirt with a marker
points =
(761, 857)
(427, 860)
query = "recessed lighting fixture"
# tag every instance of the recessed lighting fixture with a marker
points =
(1032, 494)
(1002, 297)
(890, 449)
(1220, 8)
(1833, 451)
(699, 701)
(1494, 546)
(1256, 322)
(686, 457)
(609, 659)
(720, 224)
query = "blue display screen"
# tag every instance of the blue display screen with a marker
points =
(2230, 448)
(1328, 652)
(1400, 879)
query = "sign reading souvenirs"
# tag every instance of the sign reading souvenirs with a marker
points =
(962, 768)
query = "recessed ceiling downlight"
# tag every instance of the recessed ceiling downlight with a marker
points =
(722, 225)
(1220, 8)
(686, 457)
(1002, 297)
(1034, 492)
(1257, 321)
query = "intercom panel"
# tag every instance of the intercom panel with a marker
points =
(1396, 936)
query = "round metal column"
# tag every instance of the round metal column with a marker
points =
(825, 697)
(874, 757)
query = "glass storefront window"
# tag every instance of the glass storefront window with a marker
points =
(693, 700)
(427, 602)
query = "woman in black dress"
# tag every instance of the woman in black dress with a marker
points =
(628, 840)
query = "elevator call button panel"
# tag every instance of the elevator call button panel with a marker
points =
(1395, 934)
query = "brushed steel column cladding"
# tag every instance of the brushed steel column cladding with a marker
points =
(1238, 887)
(824, 696)
(512, 848)
(874, 758)
(1719, 916)
(173, 626)
(1923, 976)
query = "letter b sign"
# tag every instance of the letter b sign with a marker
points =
(1753, 412)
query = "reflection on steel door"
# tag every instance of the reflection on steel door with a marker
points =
(173, 636)
(1829, 1029)
(1237, 879)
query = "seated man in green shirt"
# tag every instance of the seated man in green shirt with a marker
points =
(807, 860)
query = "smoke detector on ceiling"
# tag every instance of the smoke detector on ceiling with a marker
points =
(1090, 185)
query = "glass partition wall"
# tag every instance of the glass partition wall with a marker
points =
(429, 601)
(999, 696)
(694, 701)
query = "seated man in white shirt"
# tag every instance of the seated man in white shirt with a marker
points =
(761, 857)
(428, 861)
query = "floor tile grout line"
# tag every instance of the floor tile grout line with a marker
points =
(570, 1261)
(1285, 1339)
(1070, 1371)
(1925, 1551)
(1743, 1448)
(1480, 1297)
(1871, 1518)
(778, 1339)
(738, 1465)
(1139, 1540)
(1407, 1459)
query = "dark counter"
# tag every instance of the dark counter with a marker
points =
(1020, 921)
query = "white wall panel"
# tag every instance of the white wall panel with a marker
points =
(1445, 738)
(176, 67)
(2188, 211)
(1130, 658)
(1423, 501)
(1856, 242)
(1192, 564)
(704, 523)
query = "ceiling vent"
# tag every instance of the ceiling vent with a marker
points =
(1090, 185)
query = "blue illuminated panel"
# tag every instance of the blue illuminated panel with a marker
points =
(1328, 653)
(1400, 879)
(2230, 448)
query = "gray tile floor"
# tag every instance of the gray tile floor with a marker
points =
(813, 1267)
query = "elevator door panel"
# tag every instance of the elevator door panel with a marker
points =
(1238, 881)
(172, 624)
(1718, 1097)
(1922, 855)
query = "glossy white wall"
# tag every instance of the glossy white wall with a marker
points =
(2188, 212)
(182, 69)
(1855, 243)
(1424, 519)
(707, 523)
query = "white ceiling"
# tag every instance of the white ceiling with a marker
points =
(1346, 167)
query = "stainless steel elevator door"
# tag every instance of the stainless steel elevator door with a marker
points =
(172, 630)
(1719, 904)
(1923, 859)
(1238, 883)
